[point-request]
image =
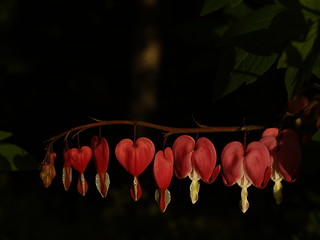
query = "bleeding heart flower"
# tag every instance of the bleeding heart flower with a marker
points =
(162, 172)
(135, 157)
(297, 104)
(101, 153)
(48, 172)
(285, 151)
(79, 160)
(197, 160)
(245, 166)
(67, 169)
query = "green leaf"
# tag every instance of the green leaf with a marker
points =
(15, 158)
(247, 68)
(4, 135)
(311, 8)
(258, 20)
(300, 57)
(212, 6)
(316, 137)
(234, 3)
(298, 50)
(275, 32)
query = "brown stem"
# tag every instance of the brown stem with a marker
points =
(168, 130)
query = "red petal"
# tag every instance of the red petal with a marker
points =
(101, 153)
(232, 162)
(163, 198)
(135, 157)
(66, 177)
(204, 159)
(67, 169)
(80, 158)
(183, 148)
(290, 134)
(298, 103)
(163, 168)
(52, 157)
(289, 155)
(270, 132)
(215, 174)
(271, 144)
(102, 183)
(257, 164)
(82, 185)
(67, 157)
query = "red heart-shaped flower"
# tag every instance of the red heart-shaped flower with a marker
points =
(285, 150)
(199, 156)
(101, 152)
(67, 169)
(80, 158)
(183, 148)
(254, 163)
(163, 168)
(135, 156)
(204, 160)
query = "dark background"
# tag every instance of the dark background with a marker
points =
(62, 62)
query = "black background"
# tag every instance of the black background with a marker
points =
(62, 62)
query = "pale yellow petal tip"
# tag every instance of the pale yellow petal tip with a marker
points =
(163, 200)
(277, 192)
(102, 187)
(194, 191)
(244, 204)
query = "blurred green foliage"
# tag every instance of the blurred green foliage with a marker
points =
(13, 157)
(285, 33)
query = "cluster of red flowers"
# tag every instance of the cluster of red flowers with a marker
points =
(275, 156)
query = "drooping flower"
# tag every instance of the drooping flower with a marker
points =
(79, 160)
(135, 157)
(285, 151)
(48, 171)
(67, 169)
(245, 166)
(197, 160)
(101, 153)
(162, 172)
(297, 104)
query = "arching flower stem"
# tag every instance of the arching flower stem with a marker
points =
(168, 130)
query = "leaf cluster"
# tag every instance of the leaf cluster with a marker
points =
(13, 157)
(251, 38)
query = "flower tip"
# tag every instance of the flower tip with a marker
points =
(136, 190)
(163, 198)
(47, 174)
(82, 185)
(66, 177)
(244, 204)
(277, 192)
(103, 183)
(194, 191)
